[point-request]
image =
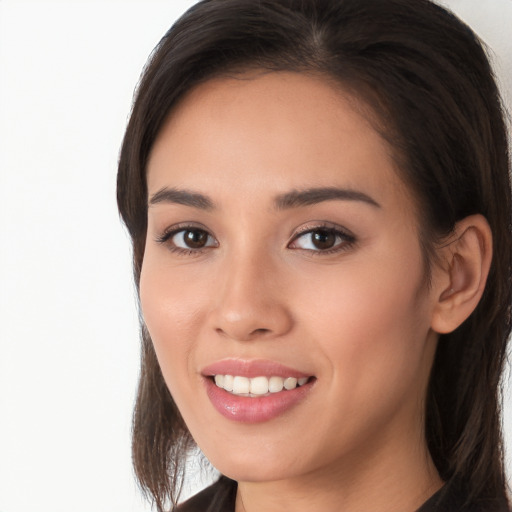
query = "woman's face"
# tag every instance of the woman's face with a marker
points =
(283, 252)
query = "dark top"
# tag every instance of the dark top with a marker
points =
(221, 496)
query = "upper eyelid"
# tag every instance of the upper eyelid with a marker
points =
(338, 232)
(303, 230)
(183, 226)
(165, 238)
(348, 238)
(319, 225)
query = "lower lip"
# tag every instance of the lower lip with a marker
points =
(246, 409)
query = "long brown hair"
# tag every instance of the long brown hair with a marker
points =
(427, 78)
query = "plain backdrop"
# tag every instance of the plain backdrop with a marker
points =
(68, 319)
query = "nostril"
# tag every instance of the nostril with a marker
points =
(250, 323)
(259, 331)
(249, 335)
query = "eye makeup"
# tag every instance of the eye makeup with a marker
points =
(319, 238)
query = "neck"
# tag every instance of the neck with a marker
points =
(396, 478)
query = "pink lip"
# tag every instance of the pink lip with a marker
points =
(251, 368)
(248, 409)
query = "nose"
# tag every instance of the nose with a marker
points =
(252, 301)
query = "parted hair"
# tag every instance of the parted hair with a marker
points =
(427, 79)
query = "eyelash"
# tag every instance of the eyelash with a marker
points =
(347, 239)
(168, 234)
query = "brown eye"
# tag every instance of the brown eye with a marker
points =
(322, 239)
(192, 239)
(195, 239)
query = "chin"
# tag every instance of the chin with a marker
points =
(262, 462)
(247, 471)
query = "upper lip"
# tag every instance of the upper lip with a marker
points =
(251, 368)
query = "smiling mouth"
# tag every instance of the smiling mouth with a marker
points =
(257, 386)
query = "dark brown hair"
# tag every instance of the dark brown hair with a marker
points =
(427, 79)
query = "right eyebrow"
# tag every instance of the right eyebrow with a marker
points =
(298, 198)
(181, 196)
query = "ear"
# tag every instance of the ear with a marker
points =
(459, 281)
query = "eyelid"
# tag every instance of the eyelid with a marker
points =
(165, 237)
(180, 226)
(349, 239)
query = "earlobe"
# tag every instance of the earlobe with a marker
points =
(460, 283)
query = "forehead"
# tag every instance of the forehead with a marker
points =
(283, 130)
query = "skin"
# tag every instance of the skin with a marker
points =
(359, 318)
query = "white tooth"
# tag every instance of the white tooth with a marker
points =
(290, 383)
(302, 381)
(240, 385)
(275, 384)
(228, 382)
(219, 380)
(259, 385)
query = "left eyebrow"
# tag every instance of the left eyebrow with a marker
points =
(185, 197)
(310, 196)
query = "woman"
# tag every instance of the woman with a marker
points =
(319, 202)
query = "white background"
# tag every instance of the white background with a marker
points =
(68, 321)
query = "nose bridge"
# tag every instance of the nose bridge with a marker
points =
(250, 303)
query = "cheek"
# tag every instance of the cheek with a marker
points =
(370, 322)
(171, 308)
